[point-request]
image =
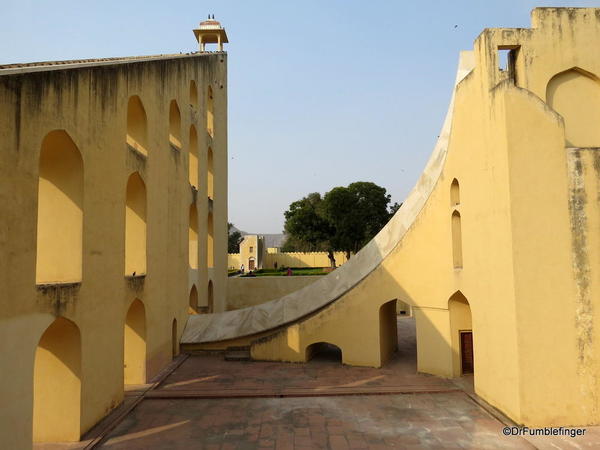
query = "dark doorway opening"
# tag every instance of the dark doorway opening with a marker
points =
(466, 352)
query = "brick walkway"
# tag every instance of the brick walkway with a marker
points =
(208, 403)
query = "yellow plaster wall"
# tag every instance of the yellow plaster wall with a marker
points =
(529, 236)
(90, 103)
(244, 292)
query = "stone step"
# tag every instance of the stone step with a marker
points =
(237, 354)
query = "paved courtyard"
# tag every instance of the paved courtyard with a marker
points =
(209, 403)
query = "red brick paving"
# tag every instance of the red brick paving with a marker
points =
(449, 419)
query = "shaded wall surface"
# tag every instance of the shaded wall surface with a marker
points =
(94, 171)
(244, 292)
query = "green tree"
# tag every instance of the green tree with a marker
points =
(233, 240)
(307, 228)
(344, 219)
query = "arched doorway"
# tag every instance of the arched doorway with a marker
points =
(388, 330)
(462, 335)
(251, 264)
(134, 344)
(57, 384)
(135, 226)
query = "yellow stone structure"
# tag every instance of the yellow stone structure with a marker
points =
(113, 185)
(496, 249)
(113, 177)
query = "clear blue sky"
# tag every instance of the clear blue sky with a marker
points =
(321, 93)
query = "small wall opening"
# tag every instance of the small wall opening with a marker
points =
(457, 241)
(210, 257)
(575, 95)
(210, 117)
(211, 297)
(461, 334)
(210, 184)
(193, 94)
(174, 339)
(134, 344)
(454, 193)
(60, 211)
(193, 309)
(388, 330)
(57, 384)
(324, 351)
(193, 237)
(137, 125)
(193, 157)
(507, 56)
(135, 226)
(174, 124)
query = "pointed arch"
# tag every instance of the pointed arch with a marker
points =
(57, 384)
(210, 113)
(137, 125)
(193, 309)
(135, 225)
(174, 124)
(193, 94)
(193, 157)
(193, 237)
(454, 193)
(134, 344)
(60, 210)
(575, 95)
(457, 256)
(462, 336)
(210, 256)
(210, 178)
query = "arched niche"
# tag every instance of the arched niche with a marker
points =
(174, 124)
(57, 384)
(134, 344)
(457, 255)
(193, 309)
(462, 336)
(575, 95)
(193, 94)
(210, 113)
(210, 178)
(193, 237)
(210, 255)
(454, 193)
(60, 211)
(193, 157)
(135, 226)
(137, 125)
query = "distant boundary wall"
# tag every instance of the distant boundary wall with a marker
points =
(244, 292)
(290, 259)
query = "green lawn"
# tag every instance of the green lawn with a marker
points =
(299, 271)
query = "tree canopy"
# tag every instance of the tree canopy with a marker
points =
(344, 219)
(233, 240)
